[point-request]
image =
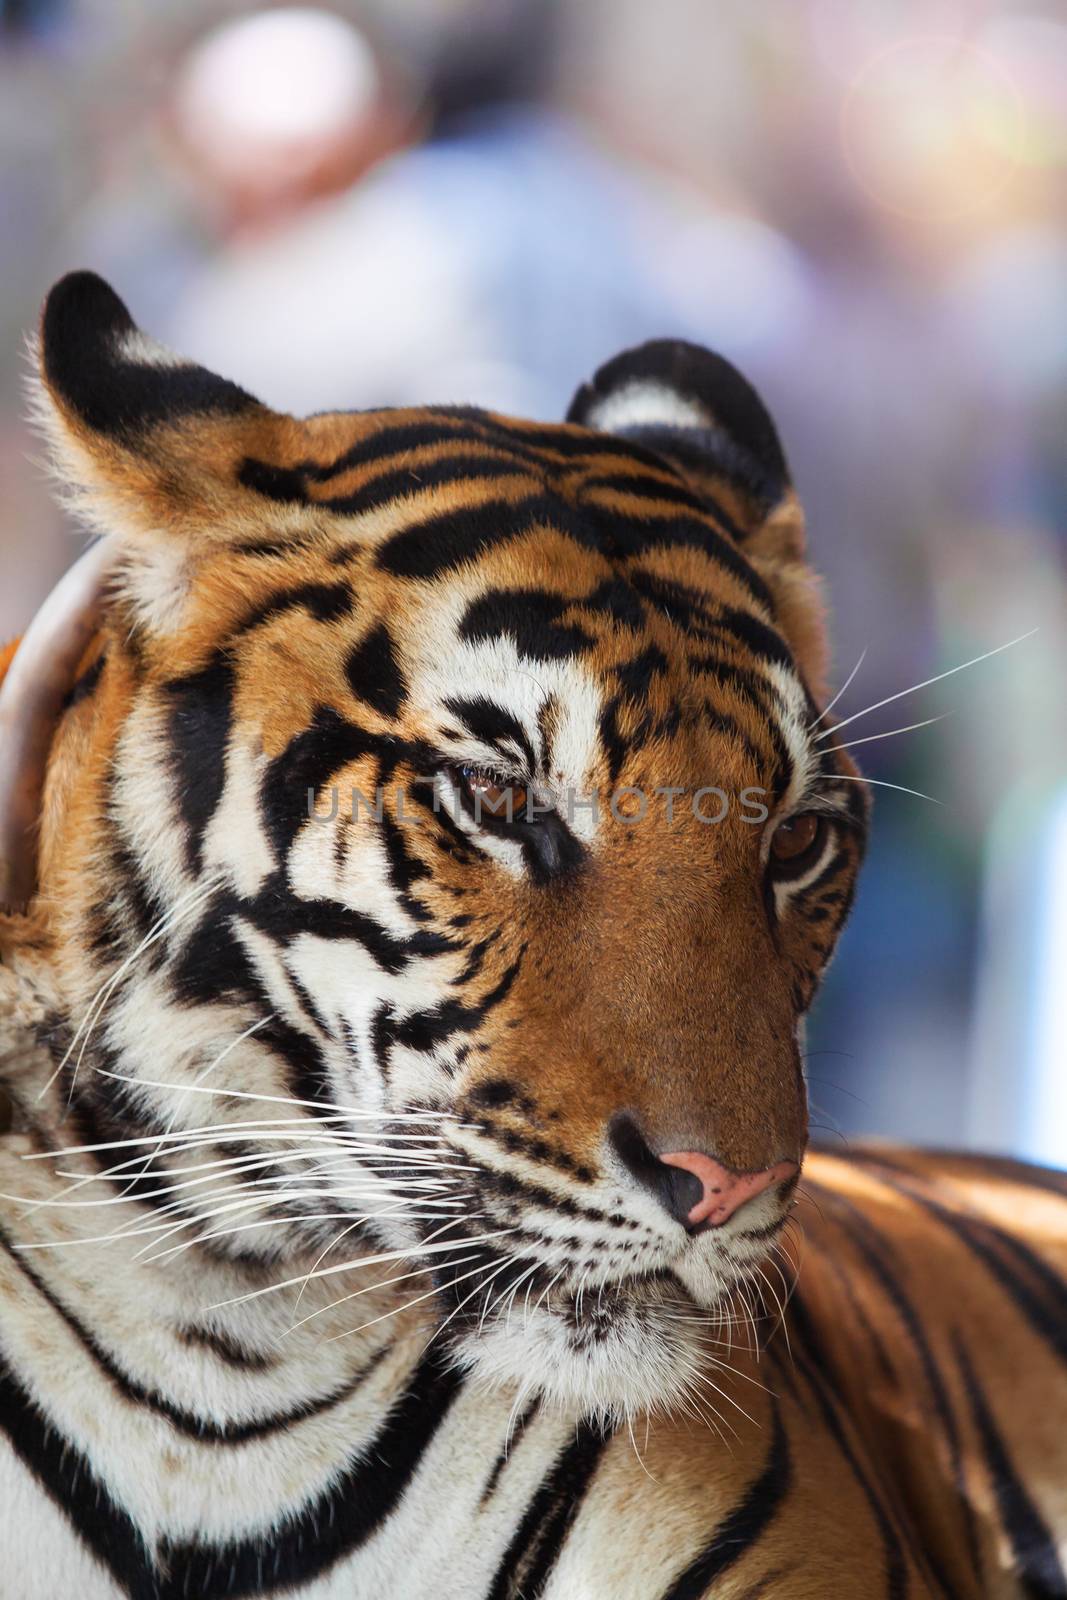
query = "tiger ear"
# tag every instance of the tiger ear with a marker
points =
(696, 410)
(147, 447)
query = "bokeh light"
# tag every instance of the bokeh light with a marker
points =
(932, 128)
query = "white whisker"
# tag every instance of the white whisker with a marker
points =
(880, 783)
(395, 1311)
(363, 1261)
(827, 709)
(915, 687)
(891, 733)
(347, 1112)
(191, 901)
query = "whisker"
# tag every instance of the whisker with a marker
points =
(826, 711)
(486, 1278)
(362, 1261)
(191, 901)
(880, 783)
(702, 1377)
(407, 1305)
(891, 733)
(915, 687)
(637, 1453)
(273, 1221)
(369, 1288)
(347, 1112)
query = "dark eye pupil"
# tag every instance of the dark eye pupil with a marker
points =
(795, 836)
(494, 793)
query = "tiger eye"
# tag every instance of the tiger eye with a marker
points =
(494, 793)
(796, 836)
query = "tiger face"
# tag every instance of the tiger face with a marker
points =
(465, 776)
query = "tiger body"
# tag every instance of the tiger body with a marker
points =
(401, 1193)
(158, 1451)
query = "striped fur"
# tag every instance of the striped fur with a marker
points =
(325, 1269)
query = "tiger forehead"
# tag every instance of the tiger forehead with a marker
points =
(411, 536)
(383, 474)
(423, 495)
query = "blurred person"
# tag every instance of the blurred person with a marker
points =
(488, 264)
(281, 107)
(261, 115)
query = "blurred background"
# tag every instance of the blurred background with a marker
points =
(861, 202)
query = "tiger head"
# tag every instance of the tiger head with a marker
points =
(452, 790)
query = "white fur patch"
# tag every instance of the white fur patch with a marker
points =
(644, 403)
(143, 351)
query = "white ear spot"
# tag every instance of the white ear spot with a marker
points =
(142, 351)
(644, 403)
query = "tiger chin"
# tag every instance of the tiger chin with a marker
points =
(616, 1354)
(421, 839)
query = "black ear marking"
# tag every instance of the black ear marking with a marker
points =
(97, 364)
(693, 406)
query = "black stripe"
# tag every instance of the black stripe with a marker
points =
(374, 673)
(428, 1030)
(307, 763)
(271, 547)
(75, 1490)
(432, 427)
(763, 641)
(688, 608)
(1005, 1168)
(446, 472)
(810, 1361)
(200, 716)
(746, 680)
(1036, 1290)
(283, 915)
(764, 699)
(274, 483)
(231, 1352)
(635, 676)
(325, 601)
(742, 1529)
(530, 618)
(493, 724)
(514, 1435)
(405, 868)
(616, 599)
(83, 687)
(528, 1561)
(309, 1542)
(436, 544)
(626, 536)
(1033, 1546)
(669, 488)
(291, 483)
(184, 1422)
(873, 1248)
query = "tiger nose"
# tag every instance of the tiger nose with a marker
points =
(697, 1189)
(720, 1191)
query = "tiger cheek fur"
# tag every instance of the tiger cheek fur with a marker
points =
(257, 844)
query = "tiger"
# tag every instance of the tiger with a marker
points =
(422, 836)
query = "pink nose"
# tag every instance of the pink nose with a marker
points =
(724, 1192)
